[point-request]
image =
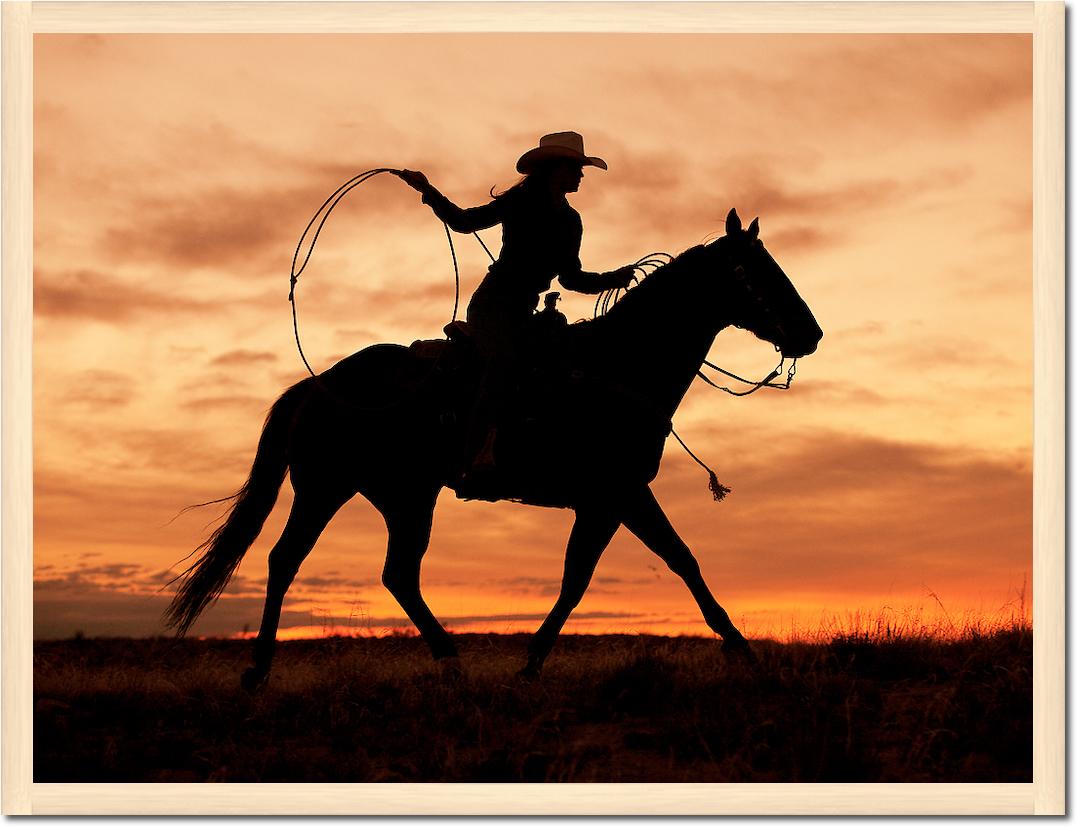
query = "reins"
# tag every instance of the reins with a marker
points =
(755, 385)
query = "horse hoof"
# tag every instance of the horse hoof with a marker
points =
(254, 680)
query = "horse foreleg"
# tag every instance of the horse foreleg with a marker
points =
(591, 534)
(409, 524)
(306, 521)
(644, 517)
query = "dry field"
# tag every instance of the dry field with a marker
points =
(859, 707)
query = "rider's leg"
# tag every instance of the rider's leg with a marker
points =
(495, 332)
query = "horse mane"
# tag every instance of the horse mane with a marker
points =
(643, 291)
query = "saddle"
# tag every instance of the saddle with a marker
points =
(543, 338)
(527, 401)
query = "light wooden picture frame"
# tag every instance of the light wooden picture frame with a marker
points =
(1046, 795)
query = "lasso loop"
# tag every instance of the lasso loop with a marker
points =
(320, 217)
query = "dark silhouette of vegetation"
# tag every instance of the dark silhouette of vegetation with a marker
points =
(617, 708)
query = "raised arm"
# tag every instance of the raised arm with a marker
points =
(457, 218)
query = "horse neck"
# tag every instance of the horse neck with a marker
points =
(659, 334)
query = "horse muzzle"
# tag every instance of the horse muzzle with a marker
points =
(801, 346)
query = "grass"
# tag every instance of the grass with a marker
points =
(860, 706)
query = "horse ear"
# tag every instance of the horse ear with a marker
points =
(752, 231)
(732, 222)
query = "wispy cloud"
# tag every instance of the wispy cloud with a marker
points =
(243, 358)
(820, 514)
(862, 82)
(228, 226)
(98, 389)
(248, 404)
(64, 606)
(843, 511)
(92, 295)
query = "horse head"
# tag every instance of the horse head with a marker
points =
(759, 296)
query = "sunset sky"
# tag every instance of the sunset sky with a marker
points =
(891, 175)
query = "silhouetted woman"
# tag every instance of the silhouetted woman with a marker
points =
(540, 239)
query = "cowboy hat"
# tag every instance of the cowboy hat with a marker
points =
(558, 145)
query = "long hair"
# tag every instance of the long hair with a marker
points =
(516, 187)
(539, 173)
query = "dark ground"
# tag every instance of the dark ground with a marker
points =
(608, 708)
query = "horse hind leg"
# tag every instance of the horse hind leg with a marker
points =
(409, 520)
(308, 518)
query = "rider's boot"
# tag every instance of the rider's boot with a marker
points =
(479, 480)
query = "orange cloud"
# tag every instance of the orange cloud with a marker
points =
(86, 294)
(818, 515)
(97, 389)
(242, 357)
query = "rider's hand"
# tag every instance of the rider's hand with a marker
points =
(414, 179)
(623, 277)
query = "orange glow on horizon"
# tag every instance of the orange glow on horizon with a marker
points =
(788, 625)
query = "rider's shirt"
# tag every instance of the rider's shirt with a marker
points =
(539, 240)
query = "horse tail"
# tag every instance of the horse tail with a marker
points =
(222, 552)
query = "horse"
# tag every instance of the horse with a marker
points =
(377, 424)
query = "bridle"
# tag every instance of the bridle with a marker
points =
(648, 263)
(744, 283)
(755, 385)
